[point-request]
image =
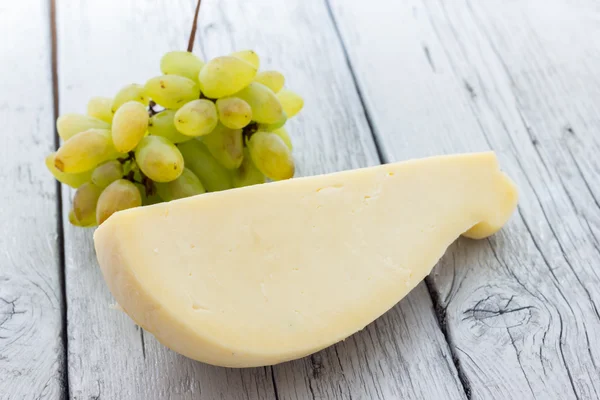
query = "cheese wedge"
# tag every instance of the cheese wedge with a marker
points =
(269, 273)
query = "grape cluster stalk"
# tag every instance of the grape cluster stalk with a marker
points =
(199, 127)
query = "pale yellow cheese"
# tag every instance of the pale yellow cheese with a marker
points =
(269, 273)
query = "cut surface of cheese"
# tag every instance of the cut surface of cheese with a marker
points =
(269, 273)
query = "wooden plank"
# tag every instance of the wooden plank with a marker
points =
(520, 309)
(403, 354)
(101, 47)
(106, 355)
(31, 315)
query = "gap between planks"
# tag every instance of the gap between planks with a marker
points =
(59, 203)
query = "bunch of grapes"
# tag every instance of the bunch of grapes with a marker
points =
(198, 127)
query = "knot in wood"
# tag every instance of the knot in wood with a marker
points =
(7, 310)
(316, 365)
(500, 311)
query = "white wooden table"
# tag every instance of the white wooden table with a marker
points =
(513, 317)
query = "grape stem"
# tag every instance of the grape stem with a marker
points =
(249, 130)
(194, 26)
(129, 157)
(151, 110)
(148, 185)
(146, 182)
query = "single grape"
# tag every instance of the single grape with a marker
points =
(276, 125)
(291, 102)
(247, 174)
(186, 185)
(182, 63)
(100, 107)
(271, 155)
(234, 112)
(73, 219)
(172, 91)
(84, 203)
(249, 56)
(225, 145)
(107, 173)
(73, 180)
(274, 80)
(264, 103)
(84, 151)
(284, 135)
(223, 76)
(163, 124)
(129, 126)
(119, 195)
(214, 176)
(131, 92)
(196, 118)
(159, 159)
(68, 125)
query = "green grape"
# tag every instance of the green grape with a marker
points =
(84, 203)
(234, 112)
(84, 151)
(226, 146)
(284, 135)
(172, 91)
(129, 126)
(147, 200)
(249, 56)
(271, 155)
(73, 180)
(100, 107)
(264, 103)
(196, 118)
(163, 124)
(198, 159)
(276, 125)
(274, 80)
(291, 102)
(247, 174)
(119, 195)
(223, 76)
(107, 173)
(132, 92)
(182, 63)
(186, 185)
(159, 159)
(68, 125)
(73, 219)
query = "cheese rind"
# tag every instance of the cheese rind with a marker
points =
(269, 273)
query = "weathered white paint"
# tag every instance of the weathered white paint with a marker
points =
(31, 346)
(521, 310)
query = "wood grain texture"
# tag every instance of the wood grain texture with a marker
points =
(520, 309)
(31, 346)
(108, 355)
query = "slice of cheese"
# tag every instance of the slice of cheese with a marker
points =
(269, 273)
